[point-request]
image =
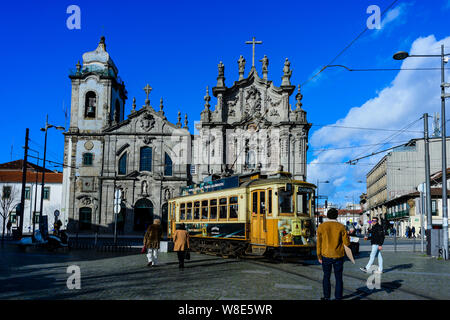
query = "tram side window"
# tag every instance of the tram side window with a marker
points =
(254, 202)
(223, 208)
(196, 210)
(270, 202)
(285, 201)
(213, 209)
(182, 211)
(233, 207)
(204, 209)
(189, 211)
(262, 202)
(302, 203)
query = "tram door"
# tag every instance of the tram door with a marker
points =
(258, 223)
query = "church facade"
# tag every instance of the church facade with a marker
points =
(120, 172)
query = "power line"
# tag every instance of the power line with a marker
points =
(364, 128)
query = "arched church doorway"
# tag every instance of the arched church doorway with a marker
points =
(164, 218)
(143, 214)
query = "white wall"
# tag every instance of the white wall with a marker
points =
(54, 203)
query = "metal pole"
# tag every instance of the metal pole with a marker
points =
(35, 196)
(395, 236)
(43, 177)
(422, 209)
(427, 181)
(24, 181)
(444, 161)
(114, 211)
(317, 203)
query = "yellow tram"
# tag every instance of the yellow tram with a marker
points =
(254, 213)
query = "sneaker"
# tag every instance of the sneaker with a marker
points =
(149, 264)
(363, 269)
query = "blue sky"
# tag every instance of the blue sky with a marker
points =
(175, 46)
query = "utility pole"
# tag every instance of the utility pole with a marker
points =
(444, 158)
(427, 205)
(24, 181)
(43, 179)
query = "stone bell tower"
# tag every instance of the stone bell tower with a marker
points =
(97, 104)
(98, 93)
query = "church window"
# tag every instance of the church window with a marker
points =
(167, 165)
(90, 104)
(123, 164)
(88, 159)
(145, 163)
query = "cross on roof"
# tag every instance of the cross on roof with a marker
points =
(147, 90)
(253, 42)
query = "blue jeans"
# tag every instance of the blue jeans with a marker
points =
(373, 253)
(338, 265)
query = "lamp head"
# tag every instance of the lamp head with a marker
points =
(401, 55)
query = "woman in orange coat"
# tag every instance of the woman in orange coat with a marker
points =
(181, 244)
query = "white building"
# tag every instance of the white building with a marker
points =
(11, 188)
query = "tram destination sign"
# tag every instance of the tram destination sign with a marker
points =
(220, 184)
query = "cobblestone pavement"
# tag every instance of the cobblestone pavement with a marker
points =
(43, 275)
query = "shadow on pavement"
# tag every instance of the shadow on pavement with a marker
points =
(399, 267)
(364, 292)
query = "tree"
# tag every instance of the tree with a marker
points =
(8, 203)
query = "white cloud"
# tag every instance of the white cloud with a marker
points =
(404, 100)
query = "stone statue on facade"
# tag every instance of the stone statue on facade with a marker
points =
(286, 78)
(265, 65)
(241, 63)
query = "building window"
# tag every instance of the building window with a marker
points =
(46, 193)
(27, 193)
(36, 217)
(167, 165)
(434, 208)
(123, 164)
(90, 105)
(13, 218)
(6, 192)
(145, 163)
(85, 218)
(88, 159)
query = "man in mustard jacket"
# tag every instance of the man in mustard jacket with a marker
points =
(331, 239)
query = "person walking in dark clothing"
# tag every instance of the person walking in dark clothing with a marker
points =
(413, 232)
(376, 240)
(331, 239)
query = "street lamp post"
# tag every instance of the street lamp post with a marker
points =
(47, 126)
(401, 55)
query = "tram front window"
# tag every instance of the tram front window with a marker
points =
(285, 198)
(302, 203)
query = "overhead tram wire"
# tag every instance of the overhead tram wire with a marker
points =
(348, 46)
(403, 130)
